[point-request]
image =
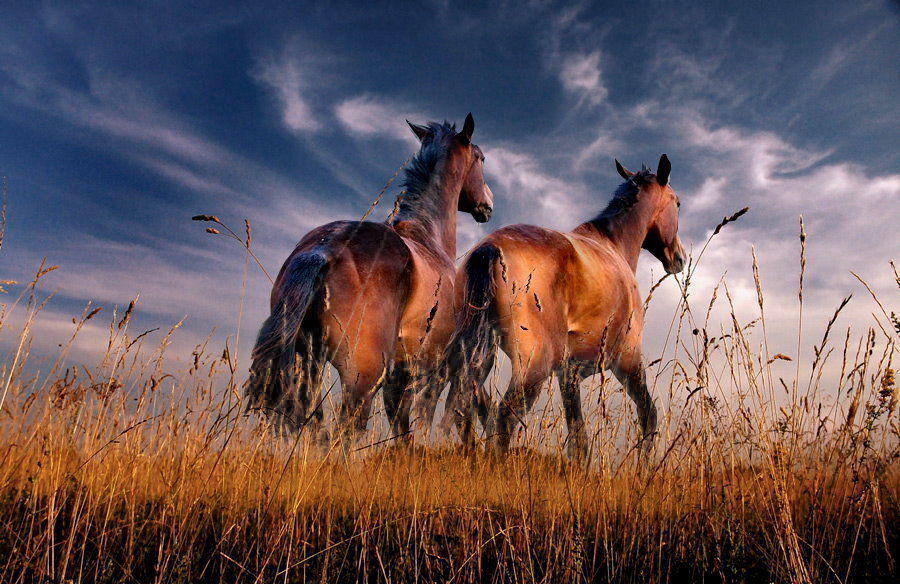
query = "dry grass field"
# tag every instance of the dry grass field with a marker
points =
(132, 470)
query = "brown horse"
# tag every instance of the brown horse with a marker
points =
(374, 299)
(563, 303)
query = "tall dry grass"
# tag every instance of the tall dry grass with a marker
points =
(139, 470)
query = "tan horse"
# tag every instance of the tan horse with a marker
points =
(374, 299)
(564, 303)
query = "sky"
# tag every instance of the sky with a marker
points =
(120, 121)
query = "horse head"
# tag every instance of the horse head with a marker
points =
(662, 232)
(465, 159)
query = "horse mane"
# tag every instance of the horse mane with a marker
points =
(625, 197)
(418, 173)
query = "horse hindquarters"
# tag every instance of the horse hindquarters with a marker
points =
(367, 289)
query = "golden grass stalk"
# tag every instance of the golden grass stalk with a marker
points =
(139, 469)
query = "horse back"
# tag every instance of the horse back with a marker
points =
(428, 317)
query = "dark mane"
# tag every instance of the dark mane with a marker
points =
(413, 202)
(625, 197)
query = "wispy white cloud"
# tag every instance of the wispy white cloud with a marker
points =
(572, 54)
(134, 127)
(94, 269)
(680, 77)
(832, 64)
(367, 116)
(126, 110)
(845, 53)
(710, 194)
(581, 75)
(529, 192)
(190, 178)
(605, 146)
(765, 154)
(292, 76)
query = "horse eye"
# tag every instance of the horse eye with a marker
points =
(678, 203)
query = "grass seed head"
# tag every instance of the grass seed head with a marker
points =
(211, 218)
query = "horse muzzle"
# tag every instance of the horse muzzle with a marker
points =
(677, 261)
(676, 266)
(482, 212)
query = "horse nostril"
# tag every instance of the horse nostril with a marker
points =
(676, 265)
(482, 213)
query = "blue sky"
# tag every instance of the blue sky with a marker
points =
(119, 121)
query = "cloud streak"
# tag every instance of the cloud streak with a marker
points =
(581, 74)
(529, 194)
(292, 77)
(367, 116)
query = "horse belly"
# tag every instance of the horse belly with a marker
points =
(592, 346)
(429, 317)
(531, 314)
(424, 334)
(601, 336)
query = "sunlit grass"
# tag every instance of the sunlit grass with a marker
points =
(136, 470)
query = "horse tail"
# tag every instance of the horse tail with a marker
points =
(472, 345)
(272, 370)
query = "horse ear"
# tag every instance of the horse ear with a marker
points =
(465, 135)
(623, 172)
(419, 131)
(663, 170)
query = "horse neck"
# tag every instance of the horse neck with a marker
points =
(431, 218)
(627, 231)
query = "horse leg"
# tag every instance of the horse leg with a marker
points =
(397, 394)
(363, 366)
(570, 390)
(356, 404)
(517, 401)
(630, 373)
(428, 392)
(467, 397)
(459, 410)
(427, 386)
